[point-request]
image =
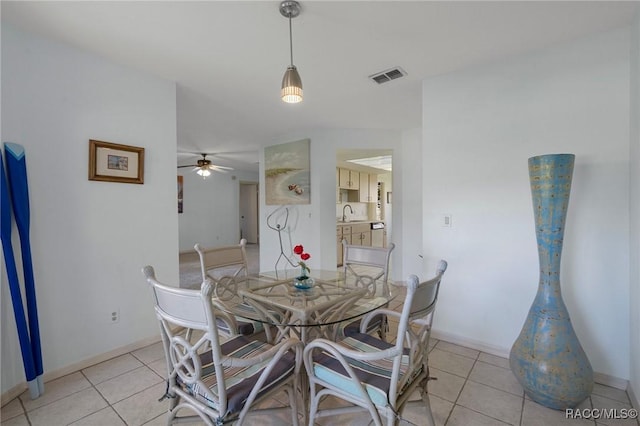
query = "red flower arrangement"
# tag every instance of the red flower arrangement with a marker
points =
(299, 250)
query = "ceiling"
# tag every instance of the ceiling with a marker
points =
(228, 58)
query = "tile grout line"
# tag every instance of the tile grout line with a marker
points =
(522, 408)
(455, 403)
(498, 389)
(93, 386)
(466, 380)
(111, 406)
(101, 396)
(476, 360)
(26, 412)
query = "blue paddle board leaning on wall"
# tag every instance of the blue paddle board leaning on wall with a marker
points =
(17, 195)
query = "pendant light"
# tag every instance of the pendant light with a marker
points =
(291, 83)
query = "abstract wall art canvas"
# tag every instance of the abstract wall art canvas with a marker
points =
(287, 173)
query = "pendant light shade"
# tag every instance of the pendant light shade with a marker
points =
(291, 82)
(291, 86)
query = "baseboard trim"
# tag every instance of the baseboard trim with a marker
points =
(17, 390)
(471, 343)
(612, 381)
(635, 401)
(601, 378)
(12, 394)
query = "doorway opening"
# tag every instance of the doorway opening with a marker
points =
(248, 210)
(364, 183)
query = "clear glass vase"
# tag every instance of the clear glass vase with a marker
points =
(303, 281)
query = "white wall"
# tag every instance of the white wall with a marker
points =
(480, 126)
(634, 201)
(211, 208)
(407, 193)
(89, 239)
(313, 225)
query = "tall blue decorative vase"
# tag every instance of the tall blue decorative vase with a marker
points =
(547, 358)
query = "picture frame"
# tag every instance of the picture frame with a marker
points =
(288, 173)
(180, 192)
(112, 162)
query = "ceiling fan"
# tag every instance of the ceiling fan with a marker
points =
(204, 167)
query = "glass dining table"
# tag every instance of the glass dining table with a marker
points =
(333, 301)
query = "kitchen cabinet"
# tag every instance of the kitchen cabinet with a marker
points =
(357, 234)
(348, 179)
(343, 232)
(346, 234)
(361, 234)
(361, 187)
(377, 238)
(338, 186)
(373, 188)
(339, 245)
(368, 188)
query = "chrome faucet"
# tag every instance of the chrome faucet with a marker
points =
(344, 215)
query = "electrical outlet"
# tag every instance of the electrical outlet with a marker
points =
(115, 316)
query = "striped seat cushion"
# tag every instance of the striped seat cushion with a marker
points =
(374, 375)
(245, 325)
(375, 323)
(240, 381)
(354, 327)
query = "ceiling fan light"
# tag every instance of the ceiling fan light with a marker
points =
(204, 172)
(291, 86)
(204, 167)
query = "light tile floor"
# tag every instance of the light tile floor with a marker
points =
(472, 388)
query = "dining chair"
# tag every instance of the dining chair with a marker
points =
(369, 266)
(372, 374)
(225, 266)
(220, 382)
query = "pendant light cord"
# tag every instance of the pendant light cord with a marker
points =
(290, 40)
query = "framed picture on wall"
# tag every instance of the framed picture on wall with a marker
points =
(111, 162)
(180, 185)
(287, 173)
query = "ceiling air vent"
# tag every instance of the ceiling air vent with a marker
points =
(388, 75)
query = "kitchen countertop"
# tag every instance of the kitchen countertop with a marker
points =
(339, 223)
